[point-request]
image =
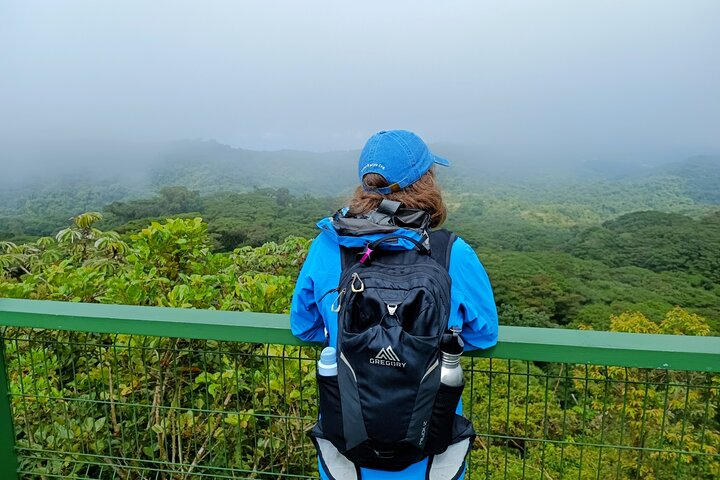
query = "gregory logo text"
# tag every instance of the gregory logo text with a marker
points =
(387, 357)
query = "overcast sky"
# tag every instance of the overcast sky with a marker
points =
(591, 79)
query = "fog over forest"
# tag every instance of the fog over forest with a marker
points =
(108, 86)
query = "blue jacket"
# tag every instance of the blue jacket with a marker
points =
(472, 306)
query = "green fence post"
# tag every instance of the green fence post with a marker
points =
(8, 458)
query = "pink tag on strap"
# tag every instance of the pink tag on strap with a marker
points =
(366, 255)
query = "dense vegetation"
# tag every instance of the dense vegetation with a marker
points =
(661, 242)
(551, 261)
(605, 255)
(167, 393)
(234, 219)
(171, 263)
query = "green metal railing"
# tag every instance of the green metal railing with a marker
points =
(109, 391)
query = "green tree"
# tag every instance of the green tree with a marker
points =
(662, 411)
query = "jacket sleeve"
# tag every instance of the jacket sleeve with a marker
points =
(472, 302)
(306, 323)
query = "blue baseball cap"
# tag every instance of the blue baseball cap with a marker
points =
(401, 157)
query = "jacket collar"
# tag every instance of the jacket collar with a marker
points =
(357, 231)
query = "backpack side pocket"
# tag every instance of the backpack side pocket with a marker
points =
(331, 422)
(440, 434)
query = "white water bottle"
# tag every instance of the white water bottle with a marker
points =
(327, 365)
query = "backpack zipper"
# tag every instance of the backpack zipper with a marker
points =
(326, 294)
(333, 307)
(432, 280)
(355, 289)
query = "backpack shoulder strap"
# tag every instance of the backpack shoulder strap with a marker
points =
(348, 256)
(441, 242)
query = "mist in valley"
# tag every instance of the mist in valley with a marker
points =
(522, 90)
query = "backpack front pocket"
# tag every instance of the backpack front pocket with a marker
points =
(391, 373)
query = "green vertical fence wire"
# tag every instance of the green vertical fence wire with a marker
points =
(8, 459)
(137, 392)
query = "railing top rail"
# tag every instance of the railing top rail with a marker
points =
(672, 352)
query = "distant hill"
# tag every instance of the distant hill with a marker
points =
(700, 177)
(92, 179)
(654, 240)
(209, 166)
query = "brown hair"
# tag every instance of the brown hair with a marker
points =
(424, 195)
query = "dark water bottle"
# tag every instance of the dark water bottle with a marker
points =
(451, 348)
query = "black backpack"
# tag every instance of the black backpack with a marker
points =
(386, 408)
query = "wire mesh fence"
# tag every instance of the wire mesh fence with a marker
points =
(137, 407)
(544, 420)
(101, 406)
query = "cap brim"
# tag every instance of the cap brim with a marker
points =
(441, 161)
